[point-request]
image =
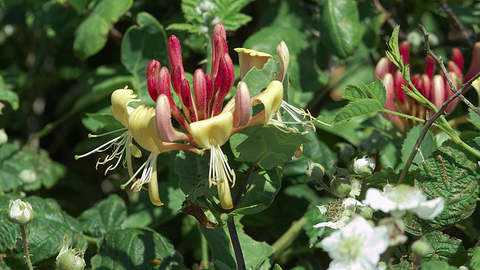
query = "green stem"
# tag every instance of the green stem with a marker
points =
(236, 243)
(406, 116)
(25, 239)
(205, 258)
(288, 237)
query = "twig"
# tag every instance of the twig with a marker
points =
(429, 122)
(457, 22)
(236, 243)
(240, 193)
(444, 70)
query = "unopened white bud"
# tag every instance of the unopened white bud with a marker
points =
(20, 212)
(364, 166)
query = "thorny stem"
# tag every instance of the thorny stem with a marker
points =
(288, 237)
(236, 243)
(24, 230)
(444, 70)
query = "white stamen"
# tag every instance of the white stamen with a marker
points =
(219, 167)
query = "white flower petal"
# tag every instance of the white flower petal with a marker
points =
(430, 209)
(333, 225)
(377, 201)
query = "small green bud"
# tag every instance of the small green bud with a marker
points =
(69, 259)
(20, 212)
(364, 166)
(340, 187)
(421, 248)
(366, 212)
(315, 171)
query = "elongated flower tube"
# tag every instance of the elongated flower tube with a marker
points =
(284, 55)
(121, 145)
(211, 134)
(250, 58)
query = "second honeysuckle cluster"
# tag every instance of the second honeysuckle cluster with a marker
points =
(432, 86)
(204, 123)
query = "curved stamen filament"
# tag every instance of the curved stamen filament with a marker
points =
(219, 168)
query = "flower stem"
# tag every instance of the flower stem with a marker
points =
(24, 230)
(236, 243)
(204, 245)
(288, 237)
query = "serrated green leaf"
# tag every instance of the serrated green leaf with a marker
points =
(91, 36)
(8, 96)
(235, 21)
(269, 147)
(132, 249)
(105, 216)
(47, 228)
(357, 108)
(257, 255)
(191, 15)
(394, 53)
(377, 91)
(445, 248)
(451, 175)
(427, 147)
(342, 31)
(475, 262)
(112, 10)
(436, 265)
(140, 45)
(353, 92)
(27, 168)
(262, 188)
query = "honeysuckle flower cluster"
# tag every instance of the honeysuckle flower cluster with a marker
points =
(431, 85)
(398, 200)
(356, 246)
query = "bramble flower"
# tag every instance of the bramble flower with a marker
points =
(357, 246)
(433, 87)
(400, 199)
(338, 213)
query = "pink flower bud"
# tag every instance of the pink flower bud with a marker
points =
(200, 90)
(438, 91)
(226, 77)
(163, 118)
(389, 105)
(429, 66)
(382, 68)
(219, 48)
(404, 49)
(398, 81)
(457, 57)
(177, 79)
(427, 86)
(241, 115)
(187, 102)
(474, 64)
(175, 54)
(452, 67)
(449, 93)
(153, 70)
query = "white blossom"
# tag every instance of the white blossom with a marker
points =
(401, 199)
(357, 246)
(347, 209)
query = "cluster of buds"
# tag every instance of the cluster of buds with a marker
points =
(204, 123)
(432, 86)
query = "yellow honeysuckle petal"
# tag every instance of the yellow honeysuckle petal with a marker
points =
(120, 109)
(142, 126)
(250, 58)
(271, 99)
(212, 131)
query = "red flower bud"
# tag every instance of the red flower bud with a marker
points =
(457, 57)
(153, 71)
(187, 102)
(404, 49)
(200, 90)
(426, 86)
(452, 67)
(438, 91)
(449, 93)
(175, 55)
(429, 66)
(226, 77)
(474, 64)
(219, 48)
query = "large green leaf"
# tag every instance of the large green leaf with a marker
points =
(269, 147)
(47, 228)
(91, 35)
(27, 168)
(257, 255)
(257, 80)
(193, 172)
(140, 45)
(342, 31)
(105, 216)
(261, 190)
(131, 249)
(445, 248)
(427, 147)
(357, 108)
(451, 175)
